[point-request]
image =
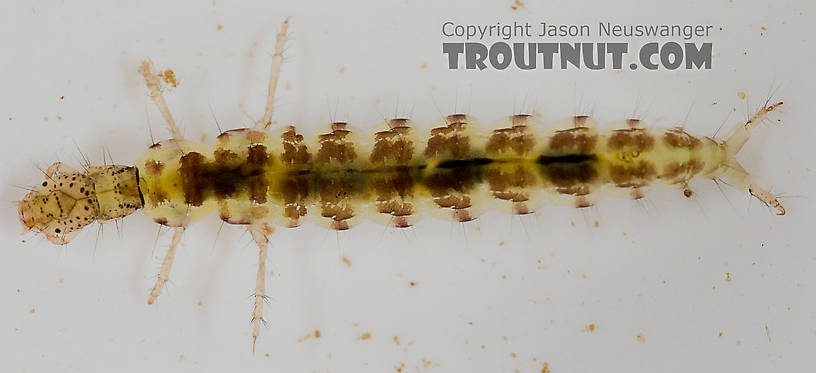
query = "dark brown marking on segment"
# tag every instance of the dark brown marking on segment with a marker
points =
(682, 172)
(393, 191)
(335, 146)
(157, 196)
(257, 155)
(401, 222)
(515, 138)
(258, 189)
(463, 215)
(677, 138)
(519, 120)
(224, 156)
(579, 140)
(294, 190)
(193, 178)
(392, 147)
(450, 141)
(521, 208)
(571, 177)
(580, 120)
(336, 191)
(630, 138)
(295, 151)
(456, 118)
(162, 221)
(510, 185)
(635, 175)
(154, 167)
(582, 201)
(451, 187)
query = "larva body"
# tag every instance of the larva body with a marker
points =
(250, 177)
(260, 178)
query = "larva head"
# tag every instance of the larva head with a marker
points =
(69, 200)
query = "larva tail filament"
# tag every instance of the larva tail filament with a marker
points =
(733, 173)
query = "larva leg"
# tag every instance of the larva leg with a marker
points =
(259, 233)
(167, 264)
(154, 85)
(274, 73)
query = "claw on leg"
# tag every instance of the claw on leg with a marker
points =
(167, 264)
(259, 233)
(274, 73)
(154, 85)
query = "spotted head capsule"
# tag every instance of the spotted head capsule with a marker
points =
(68, 200)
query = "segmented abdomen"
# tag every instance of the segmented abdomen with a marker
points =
(251, 176)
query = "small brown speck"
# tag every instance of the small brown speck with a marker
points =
(62, 97)
(596, 224)
(572, 223)
(427, 364)
(317, 333)
(169, 77)
(342, 69)
(59, 117)
(501, 243)
(182, 358)
(60, 280)
(545, 368)
(266, 354)
(219, 27)
(728, 276)
(400, 368)
(518, 4)
(346, 261)
(640, 338)
(768, 332)
(365, 336)
(590, 328)
(200, 303)
(764, 28)
(513, 355)
(32, 310)
(396, 340)
(423, 66)
(720, 334)
(412, 283)
(741, 95)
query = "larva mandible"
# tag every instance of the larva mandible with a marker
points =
(257, 178)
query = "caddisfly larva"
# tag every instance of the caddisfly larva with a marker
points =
(261, 178)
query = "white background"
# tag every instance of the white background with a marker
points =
(498, 295)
